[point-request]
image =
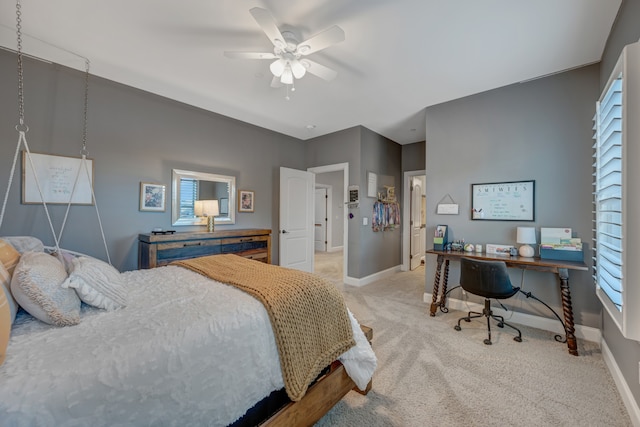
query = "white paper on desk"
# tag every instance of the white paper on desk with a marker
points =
(554, 235)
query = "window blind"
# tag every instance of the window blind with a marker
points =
(608, 151)
(188, 196)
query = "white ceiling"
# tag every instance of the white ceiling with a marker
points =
(399, 56)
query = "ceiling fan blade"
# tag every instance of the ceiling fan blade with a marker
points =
(268, 25)
(250, 55)
(275, 82)
(319, 70)
(320, 41)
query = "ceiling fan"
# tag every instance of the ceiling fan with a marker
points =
(291, 55)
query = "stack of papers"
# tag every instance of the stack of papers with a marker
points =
(559, 239)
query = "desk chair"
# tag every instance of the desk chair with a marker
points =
(488, 279)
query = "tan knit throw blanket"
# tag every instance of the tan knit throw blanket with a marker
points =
(308, 314)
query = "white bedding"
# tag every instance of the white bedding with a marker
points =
(186, 351)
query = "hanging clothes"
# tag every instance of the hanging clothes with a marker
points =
(386, 216)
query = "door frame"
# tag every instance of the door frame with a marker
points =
(406, 229)
(328, 230)
(344, 167)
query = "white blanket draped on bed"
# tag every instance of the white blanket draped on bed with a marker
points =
(185, 351)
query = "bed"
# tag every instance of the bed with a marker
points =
(185, 351)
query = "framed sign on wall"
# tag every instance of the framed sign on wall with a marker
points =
(503, 201)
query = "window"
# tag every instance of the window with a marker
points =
(188, 195)
(616, 206)
(608, 194)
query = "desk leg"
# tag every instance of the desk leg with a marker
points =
(563, 273)
(436, 286)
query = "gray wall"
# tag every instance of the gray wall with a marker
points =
(413, 156)
(336, 181)
(365, 151)
(539, 130)
(378, 250)
(626, 352)
(133, 136)
(340, 147)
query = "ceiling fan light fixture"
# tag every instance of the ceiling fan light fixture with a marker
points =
(277, 67)
(287, 76)
(298, 69)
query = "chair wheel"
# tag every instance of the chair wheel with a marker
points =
(457, 328)
(517, 339)
(487, 342)
(500, 325)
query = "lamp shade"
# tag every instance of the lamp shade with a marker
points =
(206, 208)
(277, 67)
(526, 235)
(287, 76)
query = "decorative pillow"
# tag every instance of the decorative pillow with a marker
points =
(97, 283)
(5, 324)
(5, 281)
(36, 287)
(9, 257)
(24, 244)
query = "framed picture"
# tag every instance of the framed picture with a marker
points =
(245, 201)
(152, 197)
(60, 178)
(503, 201)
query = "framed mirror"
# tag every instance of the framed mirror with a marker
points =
(189, 187)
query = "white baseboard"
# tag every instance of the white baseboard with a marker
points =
(335, 248)
(372, 278)
(545, 323)
(623, 388)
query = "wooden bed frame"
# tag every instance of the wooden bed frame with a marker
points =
(320, 397)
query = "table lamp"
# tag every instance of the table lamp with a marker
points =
(526, 236)
(208, 209)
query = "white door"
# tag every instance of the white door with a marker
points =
(320, 225)
(296, 219)
(416, 223)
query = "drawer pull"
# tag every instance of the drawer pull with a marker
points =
(192, 244)
(247, 240)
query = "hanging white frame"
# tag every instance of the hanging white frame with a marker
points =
(56, 176)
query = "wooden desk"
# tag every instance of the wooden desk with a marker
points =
(561, 268)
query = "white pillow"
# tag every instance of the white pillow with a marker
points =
(36, 287)
(97, 283)
(25, 243)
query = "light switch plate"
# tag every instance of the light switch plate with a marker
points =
(365, 221)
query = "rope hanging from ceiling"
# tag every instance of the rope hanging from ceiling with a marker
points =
(22, 128)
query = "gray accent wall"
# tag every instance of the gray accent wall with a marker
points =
(133, 136)
(626, 352)
(369, 252)
(540, 130)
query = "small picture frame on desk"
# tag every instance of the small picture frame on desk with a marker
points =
(440, 237)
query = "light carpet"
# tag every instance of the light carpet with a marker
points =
(431, 375)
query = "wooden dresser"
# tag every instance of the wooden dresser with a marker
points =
(155, 250)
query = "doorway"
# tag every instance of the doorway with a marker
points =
(414, 238)
(336, 178)
(322, 218)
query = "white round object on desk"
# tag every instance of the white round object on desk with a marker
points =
(468, 247)
(526, 251)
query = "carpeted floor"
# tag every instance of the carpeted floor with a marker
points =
(431, 375)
